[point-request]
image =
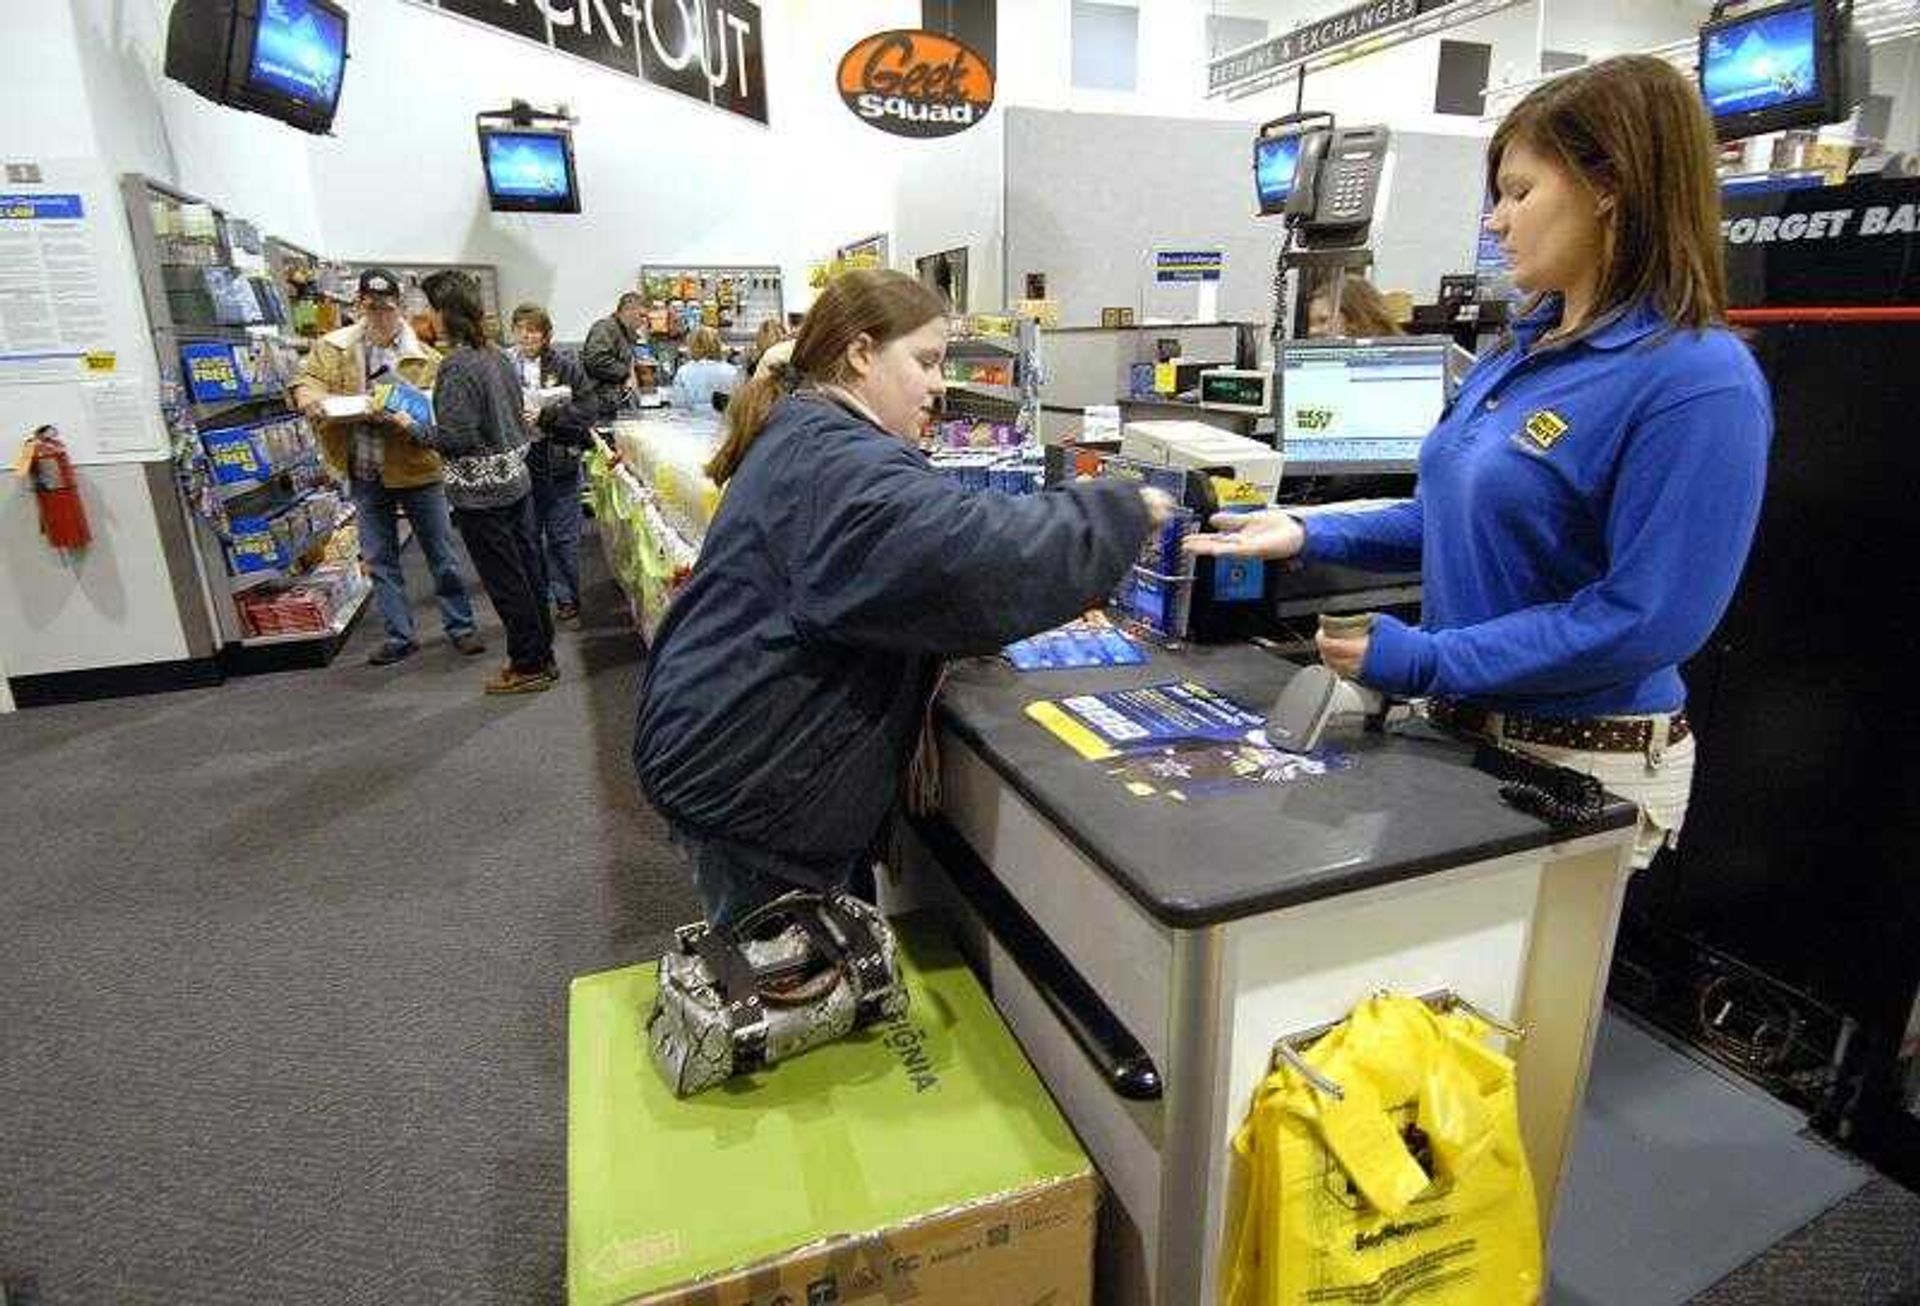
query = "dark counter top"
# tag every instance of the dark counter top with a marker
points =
(1411, 805)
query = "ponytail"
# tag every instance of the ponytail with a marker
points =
(747, 414)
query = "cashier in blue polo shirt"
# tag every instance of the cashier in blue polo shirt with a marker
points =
(1585, 506)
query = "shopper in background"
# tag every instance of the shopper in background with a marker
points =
(386, 473)
(478, 427)
(609, 350)
(705, 373)
(1363, 311)
(1584, 509)
(771, 332)
(562, 428)
(789, 680)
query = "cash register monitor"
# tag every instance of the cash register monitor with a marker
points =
(1360, 407)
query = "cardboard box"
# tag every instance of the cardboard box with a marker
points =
(919, 1160)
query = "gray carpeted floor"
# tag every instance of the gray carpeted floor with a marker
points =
(283, 978)
(283, 974)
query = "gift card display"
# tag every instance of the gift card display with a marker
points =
(1092, 641)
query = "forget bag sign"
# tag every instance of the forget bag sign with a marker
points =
(1412, 1185)
(916, 83)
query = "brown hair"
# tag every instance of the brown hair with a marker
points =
(875, 302)
(1363, 310)
(1637, 132)
(772, 331)
(533, 315)
(705, 343)
(455, 296)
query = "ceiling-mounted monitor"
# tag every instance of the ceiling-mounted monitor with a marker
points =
(285, 59)
(529, 169)
(1275, 159)
(1798, 64)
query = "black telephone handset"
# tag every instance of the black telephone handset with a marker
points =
(1303, 204)
(1338, 182)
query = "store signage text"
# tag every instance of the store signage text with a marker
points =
(1311, 40)
(1829, 224)
(1188, 265)
(916, 83)
(707, 50)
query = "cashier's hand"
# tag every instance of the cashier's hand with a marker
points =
(1159, 505)
(1342, 655)
(394, 417)
(1269, 534)
(315, 411)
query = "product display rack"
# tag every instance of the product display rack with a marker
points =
(733, 299)
(993, 371)
(312, 287)
(652, 502)
(274, 548)
(345, 276)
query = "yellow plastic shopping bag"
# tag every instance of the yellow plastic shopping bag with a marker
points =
(1409, 1187)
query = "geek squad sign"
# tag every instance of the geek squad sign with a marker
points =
(707, 50)
(916, 83)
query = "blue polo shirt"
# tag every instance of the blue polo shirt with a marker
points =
(1582, 516)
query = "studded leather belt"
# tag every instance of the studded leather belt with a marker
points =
(1598, 734)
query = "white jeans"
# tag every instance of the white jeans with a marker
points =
(1660, 792)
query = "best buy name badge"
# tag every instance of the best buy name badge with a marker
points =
(1545, 427)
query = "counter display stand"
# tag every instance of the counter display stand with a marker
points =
(652, 503)
(274, 543)
(1154, 956)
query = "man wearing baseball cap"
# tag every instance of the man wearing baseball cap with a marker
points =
(387, 472)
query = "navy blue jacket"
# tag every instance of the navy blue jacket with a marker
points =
(788, 682)
(568, 426)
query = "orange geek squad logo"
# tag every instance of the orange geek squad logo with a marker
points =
(915, 83)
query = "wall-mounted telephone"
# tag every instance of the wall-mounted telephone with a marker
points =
(1334, 182)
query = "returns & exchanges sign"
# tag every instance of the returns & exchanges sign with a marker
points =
(1316, 38)
(707, 50)
(915, 83)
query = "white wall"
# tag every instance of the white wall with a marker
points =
(1896, 73)
(952, 194)
(246, 164)
(112, 604)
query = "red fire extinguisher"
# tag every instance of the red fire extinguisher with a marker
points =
(63, 519)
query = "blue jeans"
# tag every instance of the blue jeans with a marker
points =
(734, 879)
(426, 508)
(556, 511)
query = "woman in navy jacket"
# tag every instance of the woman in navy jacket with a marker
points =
(789, 681)
(1585, 506)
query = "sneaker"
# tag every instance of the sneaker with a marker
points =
(509, 681)
(468, 643)
(391, 652)
(567, 612)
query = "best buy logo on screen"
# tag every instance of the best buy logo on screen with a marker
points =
(916, 83)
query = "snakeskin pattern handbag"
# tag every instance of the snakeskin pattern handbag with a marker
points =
(803, 970)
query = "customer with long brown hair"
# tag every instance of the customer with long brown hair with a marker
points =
(1585, 507)
(1350, 307)
(788, 682)
(478, 429)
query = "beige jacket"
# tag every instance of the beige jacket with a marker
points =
(336, 365)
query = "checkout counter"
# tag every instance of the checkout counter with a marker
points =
(1149, 953)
